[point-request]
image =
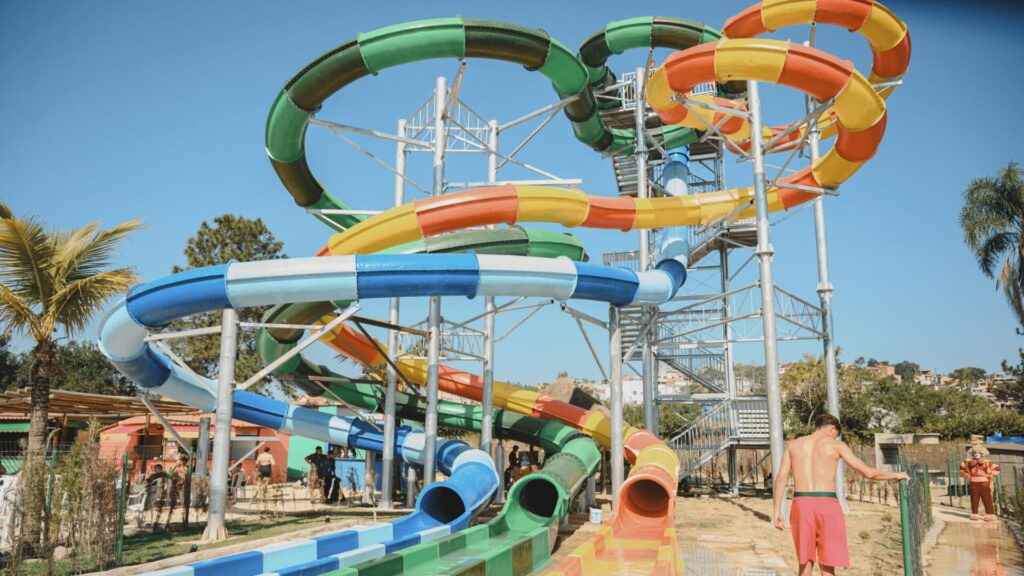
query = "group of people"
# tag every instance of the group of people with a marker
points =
(520, 463)
(323, 481)
(167, 488)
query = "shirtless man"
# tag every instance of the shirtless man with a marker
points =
(816, 518)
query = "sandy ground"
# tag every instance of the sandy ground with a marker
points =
(740, 529)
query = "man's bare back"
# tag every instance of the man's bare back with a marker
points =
(813, 460)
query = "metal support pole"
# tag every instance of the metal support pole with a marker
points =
(499, 461)
(430, 421)
(434, 318)
(825, 294)
(215, 528)
(728, 372)
(615, 397)
(734, 484)
(203, 454)
(168, 427)
(411, 488)
(387, 464)
(487, 401)
(648, 362)
(640, 153)
(764, 255)
(369, 479)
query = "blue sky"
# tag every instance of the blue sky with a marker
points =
(119, 110)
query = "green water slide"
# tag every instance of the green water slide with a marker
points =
(460, 38)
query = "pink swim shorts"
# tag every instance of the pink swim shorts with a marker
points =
(819, 529)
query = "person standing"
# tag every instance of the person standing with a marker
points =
(265, 465)
(816, 517)
(980, 472)
(331, 479)
(317, 470)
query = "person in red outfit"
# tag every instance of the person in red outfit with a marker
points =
(980, 472)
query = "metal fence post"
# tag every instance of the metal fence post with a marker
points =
(908, 561)
(118, 552)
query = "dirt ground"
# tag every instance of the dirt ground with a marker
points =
(740, 530)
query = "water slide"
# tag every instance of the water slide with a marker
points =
(858, 119)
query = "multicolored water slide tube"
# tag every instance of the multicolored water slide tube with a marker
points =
(373, 52)
(472, 484)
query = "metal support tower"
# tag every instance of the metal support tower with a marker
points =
(215, 528)
(387, 466)
(487, 401)
(825, 296)
(767, 284)
(615, 397)
(443, 123)
(648, 361)
(434, 320)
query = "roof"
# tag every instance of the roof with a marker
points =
(79, 405)
(185, 420)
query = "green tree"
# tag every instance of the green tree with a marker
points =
(51, 282)
(79, 367)
(907, 369)
(968, 375)
(83, 368)
(1012, 392)
(992, 220)
(673, 418)
(230, 237)
(10, 364)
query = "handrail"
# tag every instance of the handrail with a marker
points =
(714, 431)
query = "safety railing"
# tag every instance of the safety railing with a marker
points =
(629, 259)
(703, 439)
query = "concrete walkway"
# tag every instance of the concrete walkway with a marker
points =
(963, 546)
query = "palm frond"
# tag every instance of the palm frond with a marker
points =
(1010, 280)
(74, 304)
(992, 222)
(5, 212)
(26, 259)
(994, 248)
(16, 315)
(85, 252)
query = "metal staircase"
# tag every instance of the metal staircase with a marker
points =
(741, 422)
(625, 175)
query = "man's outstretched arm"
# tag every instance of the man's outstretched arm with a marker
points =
(864, 470)
(779, 489)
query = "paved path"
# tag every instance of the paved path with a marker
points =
(963, 546)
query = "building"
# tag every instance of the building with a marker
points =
(883, 370)
(887, 448)
(70, 414)
(928, 378)
(149, 443)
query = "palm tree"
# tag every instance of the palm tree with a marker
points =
(992, 220)
(54, 281)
